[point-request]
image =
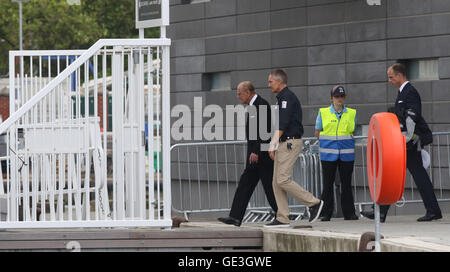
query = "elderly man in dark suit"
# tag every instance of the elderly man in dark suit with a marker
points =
(408, 99)
(259, 166)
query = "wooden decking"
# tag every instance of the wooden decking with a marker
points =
(182, 239)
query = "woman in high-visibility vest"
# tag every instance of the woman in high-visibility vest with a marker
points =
(334, 128)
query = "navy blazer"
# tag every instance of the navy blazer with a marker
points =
(409, 98)
(254, 145)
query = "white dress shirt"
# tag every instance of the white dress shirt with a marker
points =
(253, 100)
(403, 85)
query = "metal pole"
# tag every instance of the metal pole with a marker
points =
(163, 32)
(165, 10)
(167, 196)
(14, 97)
(166, 131)
(20, 26)
(377, 207)
(20, 21)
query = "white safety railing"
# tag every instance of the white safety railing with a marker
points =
(61, 168)
(35, 70)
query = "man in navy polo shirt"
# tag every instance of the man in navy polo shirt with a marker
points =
(284, 149)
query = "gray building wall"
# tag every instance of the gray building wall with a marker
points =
(320, 43)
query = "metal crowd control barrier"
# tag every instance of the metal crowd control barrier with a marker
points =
(205, 176)
(439, 172)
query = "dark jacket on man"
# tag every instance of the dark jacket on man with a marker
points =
(409, 99)
(262, 170)
(254, 119)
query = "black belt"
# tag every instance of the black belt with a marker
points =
(284, 139)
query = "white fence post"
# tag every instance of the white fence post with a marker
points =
(166, 131)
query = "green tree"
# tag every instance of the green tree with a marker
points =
(54, 24)
(8, 26)
(117, 18)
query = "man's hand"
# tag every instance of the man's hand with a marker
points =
(274, 143)
(253, 158)
(272, 151)
(272, 155)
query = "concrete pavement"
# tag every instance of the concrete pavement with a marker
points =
(401, 233)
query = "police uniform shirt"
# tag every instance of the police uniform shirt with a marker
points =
(290, 114)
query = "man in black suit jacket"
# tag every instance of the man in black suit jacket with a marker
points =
(259, 166)
(409, 99)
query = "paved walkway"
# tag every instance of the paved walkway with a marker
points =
(404, 230)
(395, 227)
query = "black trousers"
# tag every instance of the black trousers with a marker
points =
(329, 175)
(263, 170)
(414, 164)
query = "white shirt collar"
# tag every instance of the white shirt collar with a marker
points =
(253, 100)
(403, 85)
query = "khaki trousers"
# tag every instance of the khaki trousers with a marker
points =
(283, 184)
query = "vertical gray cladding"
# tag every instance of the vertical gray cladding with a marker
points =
(320, 43)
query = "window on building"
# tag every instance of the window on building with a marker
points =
(220, 81)
(422, 69)
(193, 1)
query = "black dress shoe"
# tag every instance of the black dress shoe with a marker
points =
(277, 224)
(353, 217)
(230, 221)
(325, 218)
(314, 211)
(368, 214)
(429, 217)
(371, 215)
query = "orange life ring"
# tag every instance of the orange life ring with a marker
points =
(390, 158)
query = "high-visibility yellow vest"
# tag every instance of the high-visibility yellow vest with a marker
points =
(336, 139)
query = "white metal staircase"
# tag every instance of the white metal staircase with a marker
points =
(55, 164)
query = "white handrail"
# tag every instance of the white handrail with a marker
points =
(71, 68)
(44, 53)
